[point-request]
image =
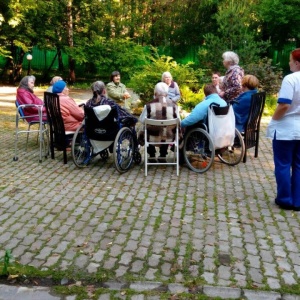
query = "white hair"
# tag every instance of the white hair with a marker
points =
(166, 74)
(161, 90)
(231, 57)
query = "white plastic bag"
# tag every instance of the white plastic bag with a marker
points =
(221, 128)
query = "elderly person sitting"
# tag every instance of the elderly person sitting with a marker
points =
(199, 113)
(53, 80)
(242, 108)
(25, 95)
(232, 81)
(161, 108)
(173, 90)
(71, 113)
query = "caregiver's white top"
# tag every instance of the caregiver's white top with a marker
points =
(288, 127)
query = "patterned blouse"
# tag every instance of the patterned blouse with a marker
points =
(233, 82)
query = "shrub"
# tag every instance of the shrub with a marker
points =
(269, 76)
(144, 81)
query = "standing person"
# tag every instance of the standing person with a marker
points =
(25, 95)
(232, 81)
(173, 91)
(161, 108)
(71, 113)
(284, 129)
(242, 107)
(53, 80)
(117, 91)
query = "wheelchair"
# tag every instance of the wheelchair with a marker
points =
(199, 150)
(109, 134)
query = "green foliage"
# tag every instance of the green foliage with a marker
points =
(190, 99)
(6, 262)
(234, 34)
(144, 81)
(269, 76)
(102, 57)
(270, 106)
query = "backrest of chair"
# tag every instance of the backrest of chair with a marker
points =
(168, 122)
(218, 110)
(104, 130)
(57, 128)
(253, 122)
(20, 109)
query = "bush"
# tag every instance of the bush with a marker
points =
(269, 76)
(190, 99)
(270, 106)
(144, 81)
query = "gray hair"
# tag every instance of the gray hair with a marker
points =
(231, 57)
(98, 86)
(166, 74)
(161, 89)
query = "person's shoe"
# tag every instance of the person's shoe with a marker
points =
(285, 206)
(296, 208)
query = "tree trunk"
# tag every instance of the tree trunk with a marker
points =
(72, 76)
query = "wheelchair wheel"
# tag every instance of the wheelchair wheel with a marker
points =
(124, 150)
(233, 155)
(81, 148)
(198, 150)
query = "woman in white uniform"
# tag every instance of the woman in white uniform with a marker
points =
(284, 129)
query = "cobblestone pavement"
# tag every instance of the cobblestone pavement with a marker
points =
(220, 228)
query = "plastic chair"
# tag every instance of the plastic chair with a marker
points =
(251, 134)
(42, 131)
(163, 123)
(59, 138)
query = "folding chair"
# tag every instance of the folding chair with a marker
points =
(42, 131)
(59, 138)
(251, 134)
(163, 123)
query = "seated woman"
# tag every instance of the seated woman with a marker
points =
(242, 108)
(72, 114)
(99, 98)
(161, 108)
(117, 91)
(173, 91)
(53, 80)
(25, 95)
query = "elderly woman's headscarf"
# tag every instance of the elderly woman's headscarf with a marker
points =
(24, 83)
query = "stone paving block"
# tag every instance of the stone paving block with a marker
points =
(260, 295)
(222, 292)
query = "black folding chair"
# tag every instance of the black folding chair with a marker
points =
(59, 138)
(251, 134)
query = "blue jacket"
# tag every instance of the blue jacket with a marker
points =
(199, 113)
(242, 109)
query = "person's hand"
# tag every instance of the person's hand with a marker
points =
(126, 95)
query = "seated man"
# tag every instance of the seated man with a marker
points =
(161, 108)
(71, 113)
(199, 113)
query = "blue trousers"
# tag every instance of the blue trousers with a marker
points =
(287, 171)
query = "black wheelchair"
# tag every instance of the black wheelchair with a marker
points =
(199, 150)
(112, 134)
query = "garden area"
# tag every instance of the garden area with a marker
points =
(84, 41)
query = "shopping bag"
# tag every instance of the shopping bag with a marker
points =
(221, 128)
